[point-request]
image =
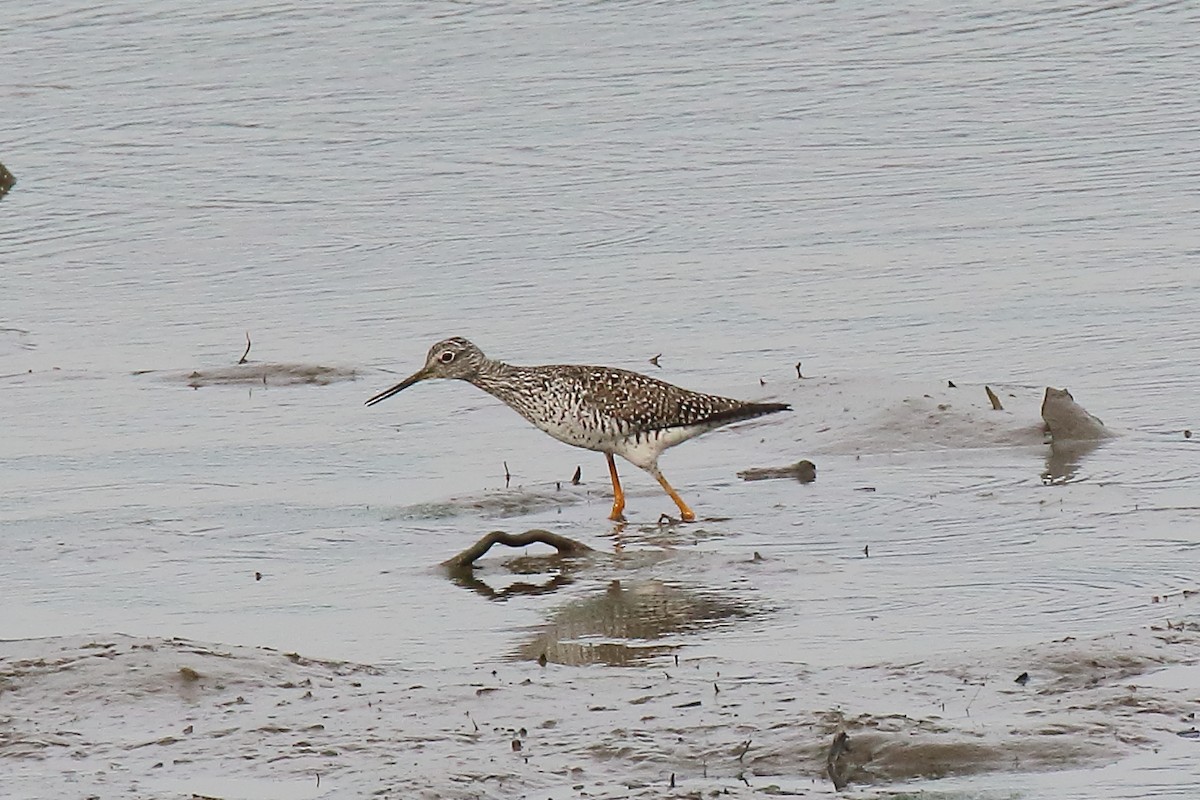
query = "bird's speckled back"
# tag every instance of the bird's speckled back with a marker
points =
(612, 401)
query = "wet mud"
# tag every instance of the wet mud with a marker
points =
(1067, 421)
(876, 418)
(610, 695)
(255, 374)
(148, 717)
(622, 690)
(500, 503)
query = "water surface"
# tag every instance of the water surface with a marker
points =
(896, 198)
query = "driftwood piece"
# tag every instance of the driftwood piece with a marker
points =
(564, 545)
(804, 471)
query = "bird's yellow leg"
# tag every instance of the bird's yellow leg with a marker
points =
(685, 513)
(618, 494)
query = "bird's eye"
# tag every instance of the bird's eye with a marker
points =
(446, 357)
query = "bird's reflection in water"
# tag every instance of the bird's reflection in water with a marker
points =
(1064, 458)
(620, 625)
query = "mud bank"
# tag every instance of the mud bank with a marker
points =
(124, 716)
(256, 374)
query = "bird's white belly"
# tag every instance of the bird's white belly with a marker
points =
(641, 450)
(590, 438)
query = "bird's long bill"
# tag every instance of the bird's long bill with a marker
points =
(416, 377)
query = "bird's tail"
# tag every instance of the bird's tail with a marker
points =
(745, 411)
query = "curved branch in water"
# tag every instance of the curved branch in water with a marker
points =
(564, 545)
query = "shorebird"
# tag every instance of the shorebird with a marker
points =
(613, 411)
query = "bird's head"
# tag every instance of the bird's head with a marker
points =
(452, 358)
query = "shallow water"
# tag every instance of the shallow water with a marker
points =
(893, 199)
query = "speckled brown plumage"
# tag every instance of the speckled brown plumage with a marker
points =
(613, 411)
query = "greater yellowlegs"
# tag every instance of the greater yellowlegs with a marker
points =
(613, 411)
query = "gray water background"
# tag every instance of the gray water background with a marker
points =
(921, 192)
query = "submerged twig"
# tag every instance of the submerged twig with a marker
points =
(565, 546)
(996, 406)
(575, 479)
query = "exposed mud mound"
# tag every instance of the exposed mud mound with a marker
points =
(255, 374)
(498, 503)
(858, 416)
(1068, 421)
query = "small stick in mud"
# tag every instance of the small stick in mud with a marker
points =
(798, 375)
(654, 361)
(242, 360)
(974, 696)
(564, 545)
(835, 766)
(745, 749)
(507, 475)
(576, 477)
(996, 406)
